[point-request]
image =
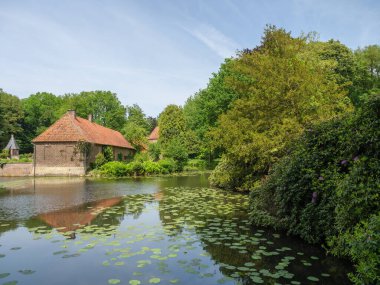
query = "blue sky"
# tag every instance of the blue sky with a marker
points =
(155, 52)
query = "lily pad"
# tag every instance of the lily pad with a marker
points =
(154, 280)
(134, 282)
(3, 275)
(114, 281)
(313, 278)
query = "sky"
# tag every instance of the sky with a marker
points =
(157, 52)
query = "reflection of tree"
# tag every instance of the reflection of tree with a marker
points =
(135, 204)
(6, 226)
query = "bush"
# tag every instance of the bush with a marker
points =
(108, 153)
(116, 169)
(195, 164)
(177, 151)
(327, 189)
(4, 154)
(152, 167)
(100, 160)
(154, 151)
(167, 166)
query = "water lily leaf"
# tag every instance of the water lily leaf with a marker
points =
(134, 282)
(114, 281)
(313, 278)
(174, 281)
(3, 275)
(14, 282)
(154, 280)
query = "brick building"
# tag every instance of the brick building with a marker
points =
(70, 145)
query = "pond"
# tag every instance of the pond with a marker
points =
(168, 230)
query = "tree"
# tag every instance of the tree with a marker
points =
(10, 117)
(135, 134)
(203, 108)
(104, 106)
(136, 116)
(172, 125)
(286, 88)
(172, 138)
(41, 110)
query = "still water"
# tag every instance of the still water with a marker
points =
(172, 230)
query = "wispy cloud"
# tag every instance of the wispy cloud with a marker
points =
(214, 40)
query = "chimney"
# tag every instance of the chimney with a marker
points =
(71, 113)
(90, 117)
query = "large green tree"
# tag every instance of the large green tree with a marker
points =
(10, 117)
(203, 108)
(104, 106)
(286, 87)
(172, 134)
(41, 110)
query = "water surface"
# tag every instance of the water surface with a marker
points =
(174, 230)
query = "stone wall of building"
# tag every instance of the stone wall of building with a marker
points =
(58, 159)
(16, 169)
(126, 154)
(58, 155)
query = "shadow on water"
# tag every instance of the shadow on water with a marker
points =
(165, 230)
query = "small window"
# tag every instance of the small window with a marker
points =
(119, 156)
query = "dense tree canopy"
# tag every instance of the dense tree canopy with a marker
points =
(41, 110)
(104, 106)
(11, 115)
(286, 87)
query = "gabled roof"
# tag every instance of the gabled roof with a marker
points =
(71, 128)
(12, 144)
(154, 135)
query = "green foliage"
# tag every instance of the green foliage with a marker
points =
(135, 134)
(286, 87)
(173, 135)
(167, 165)
(203, 109)
(327, 188)
(100, 160)
(41, 110)
(172, 125)
(177, 151)
(108, 153)
(136, 116)
(362, 244)
(11, 115)
(4, 154)
(116, 169)
(154, 150)
(195, 164)
(104, 106)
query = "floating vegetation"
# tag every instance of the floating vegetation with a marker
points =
(197, 234)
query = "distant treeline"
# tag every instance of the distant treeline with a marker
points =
(27, 118)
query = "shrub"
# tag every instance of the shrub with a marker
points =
(100, 160)
(167, 166)
(154, 151)
(327, 189)
(177, 151)
(152, 167)
(108, 153)
(4, 154)
(195, 164)
(116, 169)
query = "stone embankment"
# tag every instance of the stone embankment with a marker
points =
(16, 169)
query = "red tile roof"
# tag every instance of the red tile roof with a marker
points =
(71, 128)
(154, 135)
